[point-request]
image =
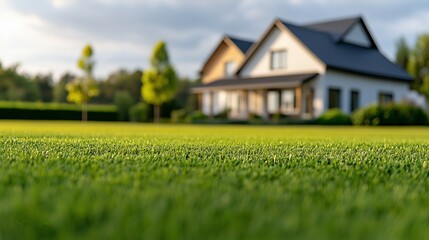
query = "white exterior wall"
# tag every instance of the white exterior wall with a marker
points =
(368, 88)
(298, 58)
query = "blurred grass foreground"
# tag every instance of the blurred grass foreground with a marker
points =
(69, 180)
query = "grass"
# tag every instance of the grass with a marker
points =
(69, 180)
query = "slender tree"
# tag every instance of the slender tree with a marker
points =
(160, 81)
(418, 63)
(402, 53)
(82, 89)
(59, 91)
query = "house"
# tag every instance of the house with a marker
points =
(300, 71)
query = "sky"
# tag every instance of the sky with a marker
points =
(48, 35)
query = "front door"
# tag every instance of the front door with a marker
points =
(309, 103)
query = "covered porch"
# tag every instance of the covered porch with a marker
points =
(264, 97)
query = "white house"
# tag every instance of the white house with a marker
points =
(300, 71)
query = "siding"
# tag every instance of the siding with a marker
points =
(299, 59)
(368, 88)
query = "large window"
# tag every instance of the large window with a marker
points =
(278, 59)
(229, 68)
(273, 102)
(354, 100)
(385, 98)
(334, 98)
(288, 101)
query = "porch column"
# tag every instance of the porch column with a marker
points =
(245, 104)
(211, 106)
(264, 98)
(200, 102)
(298, 99)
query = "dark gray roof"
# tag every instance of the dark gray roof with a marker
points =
(335, 27)
(258, 82)
(344, 56)
(242, 44)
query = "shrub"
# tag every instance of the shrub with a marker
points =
(197, 116)
(140, 112)
(390, 115)
(223, 115)
(334, 117)
(278, 117)
(123, 102)
(178, 116)
(254, 116)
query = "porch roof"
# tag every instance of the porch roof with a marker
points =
(283, 81)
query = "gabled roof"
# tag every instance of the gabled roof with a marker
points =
(242, 44)
(344, 56)
(325, 41)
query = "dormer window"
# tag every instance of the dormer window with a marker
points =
(278, 59)
(229, 68)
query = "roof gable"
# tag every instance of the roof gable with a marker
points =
(358, 36)
(265, 37)
(349, 30)
(341, 55)
(240, 44)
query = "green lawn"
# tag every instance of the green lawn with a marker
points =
(70, 180)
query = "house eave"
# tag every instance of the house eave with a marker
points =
(375, 75)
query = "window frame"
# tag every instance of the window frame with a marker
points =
(291, 106)
(281, 65)
(382, 95)
(354, 106)
(338, 90)
(225, 68)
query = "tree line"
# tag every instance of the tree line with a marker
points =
(157, 86)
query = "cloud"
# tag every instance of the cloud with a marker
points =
(124, 32)
(62, 3)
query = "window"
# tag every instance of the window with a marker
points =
(334, 98)
(354, 100)
(273, 102)
(385, 98)
(278, 59)
(229, 68)
(288, 103)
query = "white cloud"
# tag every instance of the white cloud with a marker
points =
(62, 3)
(414, 23)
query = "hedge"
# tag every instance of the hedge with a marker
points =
(52, 111)
(390, 115)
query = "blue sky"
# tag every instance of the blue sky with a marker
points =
(48, 35)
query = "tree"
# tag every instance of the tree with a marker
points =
(59, 91)
(45, 83)
(123, 102)
(82, 89)
(120, 81)
(418, 63)
(159, 81)
(402, 53)
(15, 86)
